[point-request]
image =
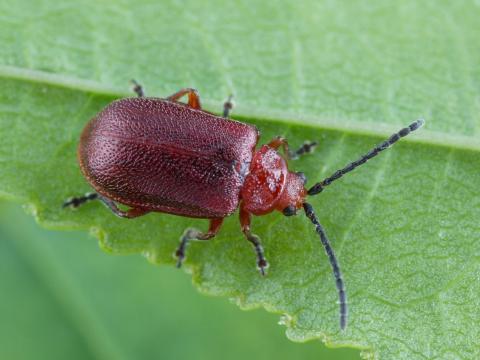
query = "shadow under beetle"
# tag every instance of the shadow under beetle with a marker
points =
(161, 155)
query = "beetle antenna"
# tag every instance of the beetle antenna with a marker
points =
(318, 187)
(342, 295)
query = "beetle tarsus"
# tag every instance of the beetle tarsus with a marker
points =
(228, 106)
(262, 263)
(137, 88)
(262, 266)
(194, 234)
(75, 202)
(306, 148)
(189, 234)
(180, 257)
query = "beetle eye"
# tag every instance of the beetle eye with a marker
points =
(289, 211)
(302, 176)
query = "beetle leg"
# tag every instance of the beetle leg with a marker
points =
(227, 106)
(129, 214)
(280, 141)
(245, 220)
(194, 234)
(307, 147)
(75, 202)
(193, 97)
(137, 88)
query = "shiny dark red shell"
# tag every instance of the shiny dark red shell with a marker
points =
(165, 156)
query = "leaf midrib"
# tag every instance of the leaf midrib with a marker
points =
(427, 137)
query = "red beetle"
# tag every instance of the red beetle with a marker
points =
(161, 155)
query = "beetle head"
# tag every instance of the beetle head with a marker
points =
(293, 196)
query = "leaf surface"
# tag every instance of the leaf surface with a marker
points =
(404, 226)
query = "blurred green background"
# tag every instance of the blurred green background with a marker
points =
(64, 298)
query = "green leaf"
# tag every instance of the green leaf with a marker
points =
(404, 226)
